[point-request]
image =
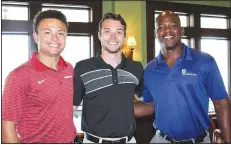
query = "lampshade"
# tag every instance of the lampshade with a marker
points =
(131, 41)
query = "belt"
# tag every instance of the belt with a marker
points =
(198, 139)
(119, 141)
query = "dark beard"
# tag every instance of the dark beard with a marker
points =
(174, 46)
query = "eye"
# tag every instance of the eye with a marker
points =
(172, 25)
(106, 32)
(47, 33)
(160, 27)
(120, 32)
(61, 33)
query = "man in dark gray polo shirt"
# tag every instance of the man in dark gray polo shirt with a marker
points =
(107, 85)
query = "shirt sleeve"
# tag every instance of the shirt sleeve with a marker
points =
(214, 83)
(79, 89)
(138, 90)
(147, 96)
(14, 93)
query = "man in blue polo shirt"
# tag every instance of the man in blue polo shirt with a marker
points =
(178, 84)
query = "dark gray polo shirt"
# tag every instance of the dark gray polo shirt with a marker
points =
(107, 95)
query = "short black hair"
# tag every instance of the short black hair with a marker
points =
(169, 13)
(48, 14)
(113, 16)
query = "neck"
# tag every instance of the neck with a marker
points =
(49, 61)
(112, 59)
(172, 54)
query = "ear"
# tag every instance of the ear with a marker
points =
(35, 36)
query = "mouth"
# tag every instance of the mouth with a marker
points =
(112, 43)
(53, 45)
(169, 37)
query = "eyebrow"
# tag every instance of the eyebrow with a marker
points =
(51, 30)
(109, 29)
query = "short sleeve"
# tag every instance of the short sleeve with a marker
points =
(14, 93)
(139, 88)
(214, 83)
(147, 97)
(79, 89)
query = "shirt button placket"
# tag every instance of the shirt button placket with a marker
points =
(114, 76)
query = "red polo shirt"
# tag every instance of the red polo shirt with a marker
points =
(40, 100)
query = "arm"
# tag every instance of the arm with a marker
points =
(143, 109)
(12, 105)
(9, 134)
(216, 91)
(222, 108)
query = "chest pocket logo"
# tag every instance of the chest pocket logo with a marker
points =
(185, 73)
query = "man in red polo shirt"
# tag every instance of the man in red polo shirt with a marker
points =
(38, 95)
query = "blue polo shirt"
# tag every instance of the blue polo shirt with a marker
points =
(181, 93)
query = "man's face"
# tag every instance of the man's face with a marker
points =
(51, 36)
(112, 36)
(169, 31)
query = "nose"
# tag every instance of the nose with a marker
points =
(113, 35)
(54, 37)
(167, 28)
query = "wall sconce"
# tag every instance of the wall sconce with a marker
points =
(131, 43)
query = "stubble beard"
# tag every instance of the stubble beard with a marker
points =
(171, 47)
(112, 51)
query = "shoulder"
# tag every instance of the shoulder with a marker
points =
(69, 65)
(21, 72)
(152, 64)
(23, 68)
(201, 56)
(135, 65)
(84, 63)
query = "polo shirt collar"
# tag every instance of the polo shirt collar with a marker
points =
(186, 54)
(121, 65)
(42, 67)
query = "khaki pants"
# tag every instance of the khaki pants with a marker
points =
(159, 139)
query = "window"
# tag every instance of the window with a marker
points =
(74, 45)
(73, 13)
(216, 22)
(77, 119)
(13, 53)
(219, 50)
(11, 11)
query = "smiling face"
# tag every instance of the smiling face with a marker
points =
(51, 36)
(112, 36)
(168, 30)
